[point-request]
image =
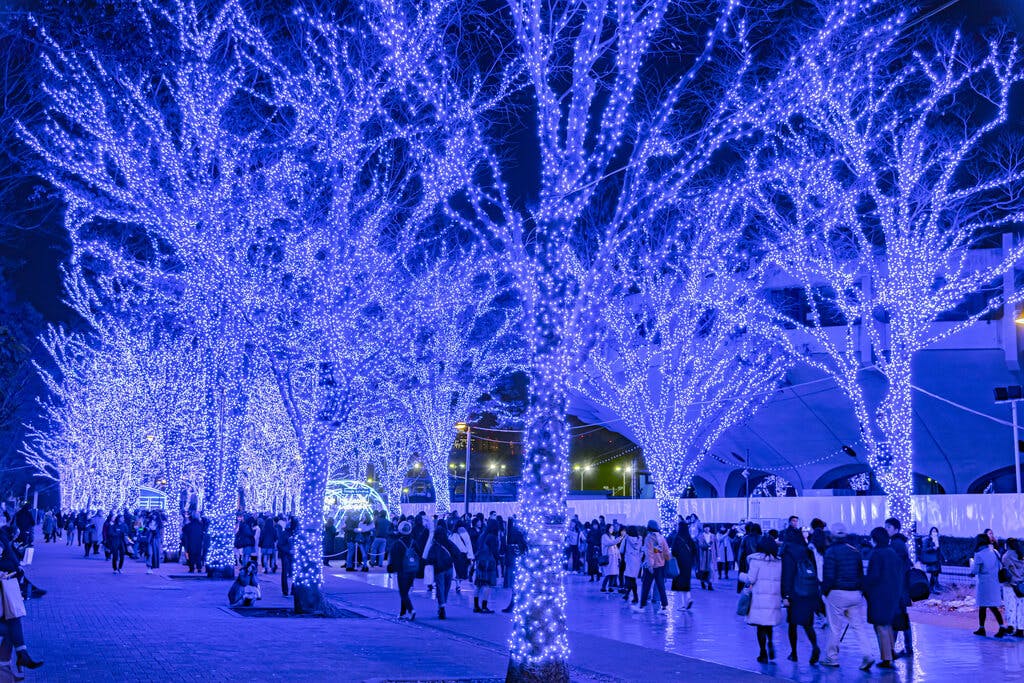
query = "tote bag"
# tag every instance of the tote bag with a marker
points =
(14, 605)
(671, 568)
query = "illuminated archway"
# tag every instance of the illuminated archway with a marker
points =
(343, 495)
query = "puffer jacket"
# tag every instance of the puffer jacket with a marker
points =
(844, 569)
(765, 579)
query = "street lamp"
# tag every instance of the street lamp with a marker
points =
(1012, 395)
(583, 473)
(465, 481)
(625, 471)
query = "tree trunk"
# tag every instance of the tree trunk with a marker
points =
(894, 457)
(668, 508)
(308, 542)
(438, 470)
(540, 647)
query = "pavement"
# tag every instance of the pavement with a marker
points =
(96, 626)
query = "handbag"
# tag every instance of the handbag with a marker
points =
(603, 562)
(30, 553)
(14, 604)
(743, 604)
(671, 568)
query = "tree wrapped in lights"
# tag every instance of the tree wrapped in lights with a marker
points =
(451, 333)
(620, 132)
(687, 351)
(900, 168)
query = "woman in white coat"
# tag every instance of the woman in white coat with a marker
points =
(765, 580)
(610, 560)
(630, 546)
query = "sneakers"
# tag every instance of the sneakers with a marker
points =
(441, 613)
(866, 663)
(829, 662)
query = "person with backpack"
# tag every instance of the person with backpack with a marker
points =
(486, 567)
(800, 590)
(439, 553)
(656, 555)
(404, 563)
(842, 582)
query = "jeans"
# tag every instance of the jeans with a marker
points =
(356, 552)
(443, 584)
(286, 572)
(117, 558)
(847, 608)
(156, 553)
(267, 559)
(13, 632)
(657, 577)
(404, 586)
(377, 549)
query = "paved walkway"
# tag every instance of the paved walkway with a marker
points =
(94, 626)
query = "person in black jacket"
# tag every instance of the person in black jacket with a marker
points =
(684, 550)
(118, 535)
(799, 590)
(285, 530)
(748, 546)
(440, 553)
(842, 582)
(268, 545)
(898, 542)
(405, 570)
(515, 548)
(192, 540)
(883, 586)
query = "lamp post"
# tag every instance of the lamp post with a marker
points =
(465, 481)
(625, 471)
(1012, 395)
(583, 473)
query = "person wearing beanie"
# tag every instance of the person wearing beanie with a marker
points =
(404, 563)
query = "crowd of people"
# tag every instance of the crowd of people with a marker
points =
(799, 576)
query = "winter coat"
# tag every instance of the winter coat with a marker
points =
(748, 545)
(610, 549)
(843, 569)
(883, 586)
(765, 579)
(801, 607)
(192, 538)
(684, 550)
(268, 535)
(707, 553)
(656, 550)
(1014, 566)
(245, 537)
(986, 568)
(931, 555)
(631, 553)
(724, 547)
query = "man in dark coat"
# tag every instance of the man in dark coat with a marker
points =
(192, 538)
(268, 545)
(883, 586)
(898, 543)
(842, 583)
(748, 546)
(25, 520)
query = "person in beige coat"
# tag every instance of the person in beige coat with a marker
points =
(764, 577)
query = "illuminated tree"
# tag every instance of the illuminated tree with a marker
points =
(630, 104)
(687, 351)
(451, 334)
(901, 168)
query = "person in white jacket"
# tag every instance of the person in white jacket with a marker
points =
(764, 579)
(464, 544)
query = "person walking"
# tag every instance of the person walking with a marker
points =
(842, 583)
(515, 546)
(268, 545)
(404, 564)
(656, 554)
(707, 553)
(764, 580)
(609, 560)
(464, 557)
(985, 565)
(748, 546)
(899, 543)
(117, 537)
(684, 550)
(631, 549)
(486, 576)
(1013, 597)
(800, 590)
(439, 553)
(883, 587)
(192, 540)
(381, 533)
(932, 557)
(285, 530)
(726, 555)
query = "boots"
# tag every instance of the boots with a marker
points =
(484, 609)
(476, 604)
(25, 661)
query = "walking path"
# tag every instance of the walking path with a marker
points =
(95, 626)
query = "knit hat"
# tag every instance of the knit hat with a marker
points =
(653, 525)
(838, 529)
(405, 528)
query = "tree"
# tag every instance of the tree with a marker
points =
(900, 169)
(629, 105)
(687, 351)
(452, 337)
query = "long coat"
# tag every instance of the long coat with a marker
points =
(801, 607)
(765, 578)
(610, 548)
(883, 586)
(986, 568)
(707, 553)
(631, 554)
(683, 549)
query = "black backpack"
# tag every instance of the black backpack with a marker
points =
(805, 583)
(918, 584)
